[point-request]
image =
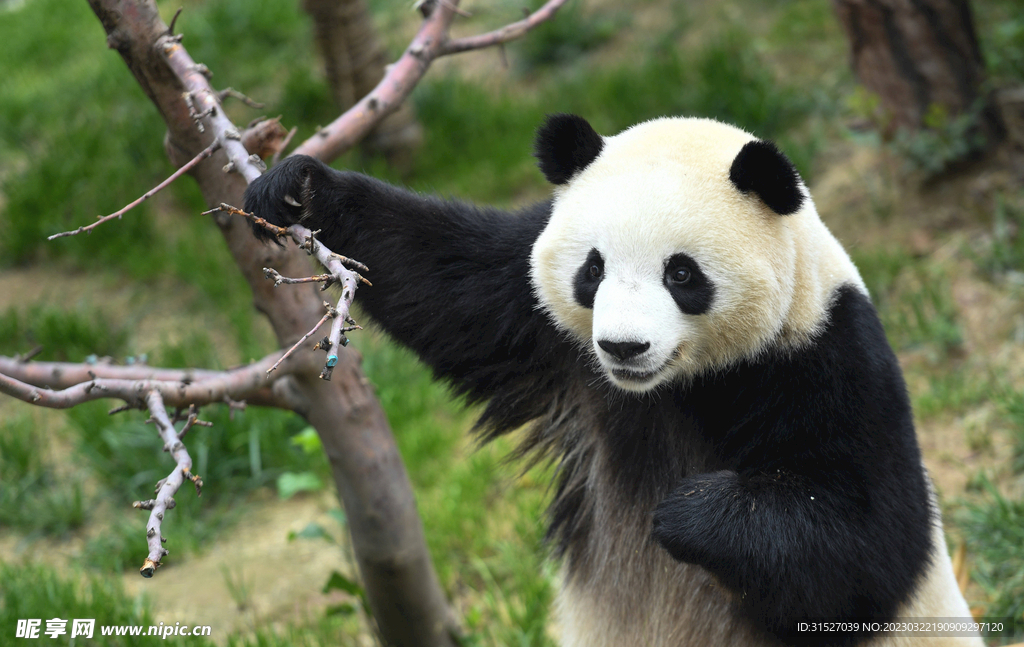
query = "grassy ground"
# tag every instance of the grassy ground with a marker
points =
(944, 262)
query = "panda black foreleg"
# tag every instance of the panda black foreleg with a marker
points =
(450, 280)
(790, 551)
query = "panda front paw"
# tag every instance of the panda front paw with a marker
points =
(689, 523)
(284, 195)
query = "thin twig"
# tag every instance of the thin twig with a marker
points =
(284, 145)
(206, 152)
(231, 92)
(331, 312)
(271, 273)
(505, 34)
(280, 232)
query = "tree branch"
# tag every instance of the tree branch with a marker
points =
(167, 487)
(505, 34)
(387, 536)
(206, 152)
(130, 384)
(430, 42)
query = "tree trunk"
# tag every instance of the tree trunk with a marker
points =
(406, 598)
(917, 55)
(354, 60)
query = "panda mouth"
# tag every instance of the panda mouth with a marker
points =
(634, 376)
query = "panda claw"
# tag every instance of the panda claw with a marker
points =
(292, 201)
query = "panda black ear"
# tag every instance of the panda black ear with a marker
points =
(565, 145)
(762, 168)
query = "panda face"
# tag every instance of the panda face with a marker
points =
(661, 266)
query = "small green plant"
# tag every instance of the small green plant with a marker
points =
(953, 389)
(942, 141)
(1004, 44)
(1004, 253)
(238, 587)
(120, 545)
(913, 299)
(1013, 409)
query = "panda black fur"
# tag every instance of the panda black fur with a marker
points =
(735, 449)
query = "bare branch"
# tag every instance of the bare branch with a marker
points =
(166, 488)
(284, 145)
(206, 103)
(81, 383)
(331, 313)
(265, 137)
(209, 150)
(280, 232)
(235, 94)
(505, 34)
(399, 80)
(402, 76)
(271, 273)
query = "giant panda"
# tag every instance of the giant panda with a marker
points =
(699, 357)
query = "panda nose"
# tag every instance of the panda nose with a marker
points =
(623, 350)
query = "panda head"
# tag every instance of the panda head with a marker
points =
(678, 247)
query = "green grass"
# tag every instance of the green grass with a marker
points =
(35, 498)
(913, 298)
(234, 458)
(64, 334)
(484, 526)
(994, 530)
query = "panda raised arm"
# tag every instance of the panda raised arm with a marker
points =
(450, 280)
(734, 443)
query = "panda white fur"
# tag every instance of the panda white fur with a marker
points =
(697, 353)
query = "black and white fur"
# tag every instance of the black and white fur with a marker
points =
(735, 447)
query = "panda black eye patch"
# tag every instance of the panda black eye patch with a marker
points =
(588, 278)
(692, 291)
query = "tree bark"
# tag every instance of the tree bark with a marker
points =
(354, 61)
(916, 54)
(405, 595)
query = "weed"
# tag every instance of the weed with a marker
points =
(121, 544)
(1003, 42)
(1003, 253)
(995, 532)
(952, 389)
(39, 591)
(238, 587)
(913, 299)
(942, 141)
(1013, 409)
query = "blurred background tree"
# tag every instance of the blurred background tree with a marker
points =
(354, 58)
